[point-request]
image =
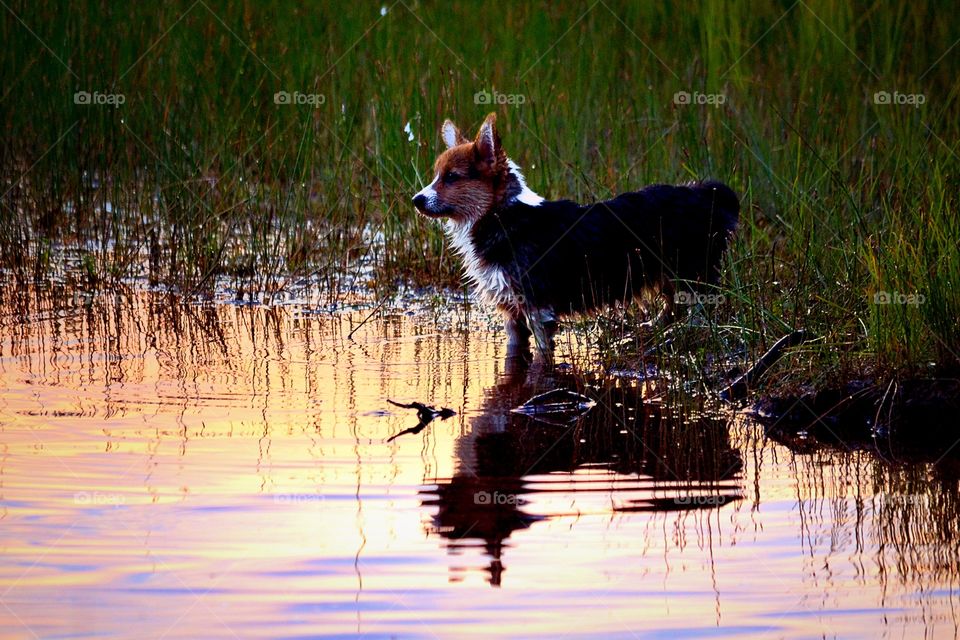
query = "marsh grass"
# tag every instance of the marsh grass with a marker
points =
(200, 180)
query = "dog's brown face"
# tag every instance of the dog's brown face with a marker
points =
(469, 177)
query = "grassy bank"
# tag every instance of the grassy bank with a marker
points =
(147, 141)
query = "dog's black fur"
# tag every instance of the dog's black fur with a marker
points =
(572, 258)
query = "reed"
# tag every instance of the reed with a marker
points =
(201, 181)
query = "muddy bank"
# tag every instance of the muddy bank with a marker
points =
(913, 413)
(920, 413)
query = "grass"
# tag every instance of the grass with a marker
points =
(200, 180)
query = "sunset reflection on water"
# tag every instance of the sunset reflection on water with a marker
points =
(174, 469)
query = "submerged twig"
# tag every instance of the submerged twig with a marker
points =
(364, 321)
(737, 390)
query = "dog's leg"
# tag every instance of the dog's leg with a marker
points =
(667, 293)
(517, 360)
(543, 326)
(518, 334)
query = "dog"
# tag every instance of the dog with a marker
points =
(540, 260)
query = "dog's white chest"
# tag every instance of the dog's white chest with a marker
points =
(492, 281)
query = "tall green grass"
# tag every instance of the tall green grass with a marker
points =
(210, 182)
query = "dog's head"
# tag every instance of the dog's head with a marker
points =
(470, 178)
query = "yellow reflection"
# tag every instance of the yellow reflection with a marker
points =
(197, 470)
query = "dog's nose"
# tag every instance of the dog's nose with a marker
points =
(420, 201)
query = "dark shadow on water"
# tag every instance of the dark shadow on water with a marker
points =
(642, 457)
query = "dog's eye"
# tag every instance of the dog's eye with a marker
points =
(450, 177)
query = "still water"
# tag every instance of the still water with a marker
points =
(170, 469)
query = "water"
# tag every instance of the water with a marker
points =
(181, 470)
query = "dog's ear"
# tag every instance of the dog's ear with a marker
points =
(451, 135)
(488, 141)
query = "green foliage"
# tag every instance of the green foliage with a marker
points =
(208, 179)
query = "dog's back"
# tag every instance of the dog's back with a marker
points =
(683, 230)
(574, 258)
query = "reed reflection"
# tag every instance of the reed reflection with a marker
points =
(253, 443)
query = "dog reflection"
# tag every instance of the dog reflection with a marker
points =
(488, 498)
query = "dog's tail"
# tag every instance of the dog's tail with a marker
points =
(726, 204)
